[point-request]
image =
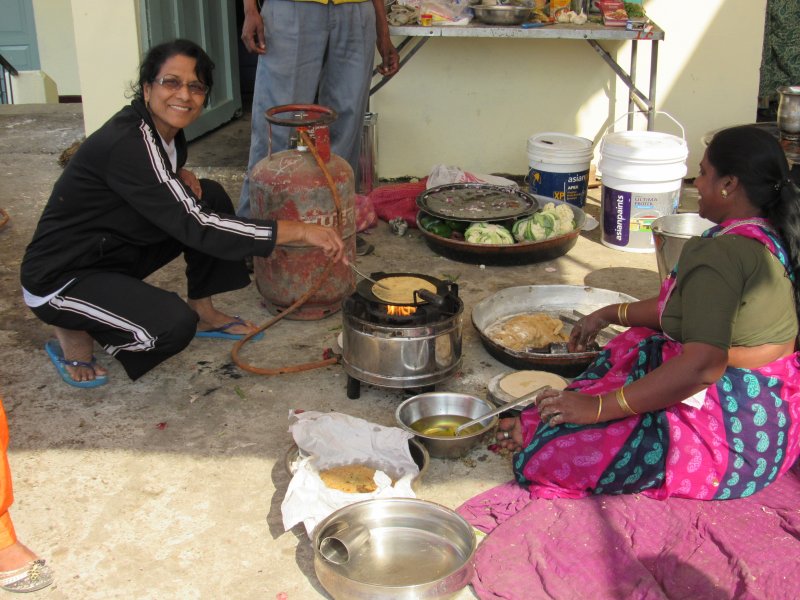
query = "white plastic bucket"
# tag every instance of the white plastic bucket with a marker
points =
(642, 172)
(559, 166)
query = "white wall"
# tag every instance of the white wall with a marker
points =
(107, 47)
(55, 38)
(474, 102)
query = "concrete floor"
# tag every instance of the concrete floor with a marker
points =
(170, 487)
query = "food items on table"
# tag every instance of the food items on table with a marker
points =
(559, 6)
(519, 383)
(614, 14)
(527, 330)
(400, 289)
(353, 479)
(551, 221)
(488, 233)
(634, 9)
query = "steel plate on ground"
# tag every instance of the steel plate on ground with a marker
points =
(554, 300)
(476, 202)
(507, 254)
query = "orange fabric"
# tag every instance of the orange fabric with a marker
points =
(7, 534)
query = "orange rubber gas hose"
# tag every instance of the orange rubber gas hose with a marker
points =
(300, 301)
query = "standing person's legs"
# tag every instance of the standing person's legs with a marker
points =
(347, 74)
(20, 569)
(296, 35)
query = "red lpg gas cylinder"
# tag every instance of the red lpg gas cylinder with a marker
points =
(290, 185)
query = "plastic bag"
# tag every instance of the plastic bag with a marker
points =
(444, 12)
(444, 174)
(331, 439)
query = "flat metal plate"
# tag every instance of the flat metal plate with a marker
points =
(476, 202)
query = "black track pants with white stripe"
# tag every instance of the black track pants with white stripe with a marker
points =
(139, 324)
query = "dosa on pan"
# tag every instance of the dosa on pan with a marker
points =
(400, 290)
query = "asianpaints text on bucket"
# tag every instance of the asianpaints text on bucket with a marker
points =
(642, 172)
(559, 166)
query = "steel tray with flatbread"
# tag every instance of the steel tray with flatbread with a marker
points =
(555, 300)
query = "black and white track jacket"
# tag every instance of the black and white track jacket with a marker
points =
(119, 193)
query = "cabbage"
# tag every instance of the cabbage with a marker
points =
(488, 233)
(549, 222)
(528, 230)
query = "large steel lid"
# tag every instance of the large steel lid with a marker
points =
(476, 202)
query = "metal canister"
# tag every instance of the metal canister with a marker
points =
(290, 185)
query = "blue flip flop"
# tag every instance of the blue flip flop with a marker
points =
(221, 332)
(56, 354)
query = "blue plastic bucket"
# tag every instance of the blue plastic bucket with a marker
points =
(559, 166)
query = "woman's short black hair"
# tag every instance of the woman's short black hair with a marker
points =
(158, 55)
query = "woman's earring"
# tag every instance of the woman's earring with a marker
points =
(724, 193)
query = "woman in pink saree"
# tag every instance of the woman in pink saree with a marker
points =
(700, 398)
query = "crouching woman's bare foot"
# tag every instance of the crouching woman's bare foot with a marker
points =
(509, 434)
(77, 358)
(22, 571)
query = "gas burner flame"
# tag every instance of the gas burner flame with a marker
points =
(394, 310)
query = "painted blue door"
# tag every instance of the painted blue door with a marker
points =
(212, 24)
(18, 35)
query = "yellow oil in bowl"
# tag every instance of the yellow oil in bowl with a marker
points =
(444, 426)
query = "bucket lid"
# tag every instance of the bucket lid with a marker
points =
(559, 144)
(644, 146)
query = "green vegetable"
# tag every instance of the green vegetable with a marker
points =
(634, 9)
(457, 225)
(435, 226)
(440, 228)
(488, 233)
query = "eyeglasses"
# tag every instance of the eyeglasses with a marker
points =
(173, 84)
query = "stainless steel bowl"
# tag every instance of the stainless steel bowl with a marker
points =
(419, 454)
(433, 404)
(414, 549)
(502, 14)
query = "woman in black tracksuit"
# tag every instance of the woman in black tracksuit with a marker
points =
(123, 208)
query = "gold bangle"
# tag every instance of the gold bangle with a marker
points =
(623, 403)
(622, 314)
(599, 408)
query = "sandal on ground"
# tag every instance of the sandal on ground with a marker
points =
(56, 354)
(363, 247)
(28, 578)
(222, 331)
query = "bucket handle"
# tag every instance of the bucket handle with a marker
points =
(658, 112)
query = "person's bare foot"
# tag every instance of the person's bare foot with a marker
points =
(78, 345)
(15, 556)
(509, 434)
(211, 318)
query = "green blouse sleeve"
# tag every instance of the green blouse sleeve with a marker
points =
(708, 293)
